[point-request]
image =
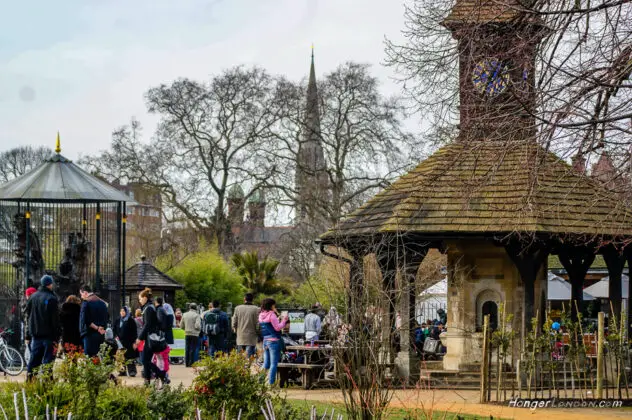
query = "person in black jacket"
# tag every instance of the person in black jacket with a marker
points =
(126, 331)
(69, 319)
(150, 326)
(93, 320)
(43, 312)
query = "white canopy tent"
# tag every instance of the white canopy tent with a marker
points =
(600, 289)
(560, 289)
(431, 299)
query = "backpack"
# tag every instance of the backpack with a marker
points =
(211, 324)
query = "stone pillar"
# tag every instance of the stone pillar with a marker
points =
(387, 261)
(407, 361)
(356, 280)
(459, 334)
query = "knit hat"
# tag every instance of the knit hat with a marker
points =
(30, 291)
(46, 280)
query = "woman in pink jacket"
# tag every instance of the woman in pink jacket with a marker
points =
(271, 328)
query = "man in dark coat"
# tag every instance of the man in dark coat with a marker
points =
(216, 326)
(43, 324)
(93, 320)
(165, 320)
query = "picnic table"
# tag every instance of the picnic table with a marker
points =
(314, 362)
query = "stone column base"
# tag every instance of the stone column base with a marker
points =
(407, 365)
(462, 348)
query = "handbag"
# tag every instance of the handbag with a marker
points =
(157, 342)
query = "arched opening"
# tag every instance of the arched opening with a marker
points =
(491, 308)
(487, 303)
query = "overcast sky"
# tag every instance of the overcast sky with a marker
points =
(82, 66)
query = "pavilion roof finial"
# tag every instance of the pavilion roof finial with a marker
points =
(58, 144)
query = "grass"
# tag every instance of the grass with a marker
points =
(393, 414)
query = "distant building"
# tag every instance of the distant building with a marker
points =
(144, 220)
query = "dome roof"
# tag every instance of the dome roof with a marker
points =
(57, 180)
(236, 192)
(257, 197)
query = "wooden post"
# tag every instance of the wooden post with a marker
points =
(600, 340)
(484, 364)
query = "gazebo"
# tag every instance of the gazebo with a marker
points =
(144, 274)
(494, 200)
(58, 219)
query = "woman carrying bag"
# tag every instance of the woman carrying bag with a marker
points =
(152, 337)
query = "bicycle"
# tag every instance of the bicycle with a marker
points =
(11, 360)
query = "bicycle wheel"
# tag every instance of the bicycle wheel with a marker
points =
(11, 361)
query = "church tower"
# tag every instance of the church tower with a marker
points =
(312, 182)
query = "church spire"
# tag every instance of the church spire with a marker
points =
(312, 122)
(312, 182)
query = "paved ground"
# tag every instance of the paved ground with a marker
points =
(466, 402)
(440, 400)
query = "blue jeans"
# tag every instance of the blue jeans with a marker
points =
(41, 354)
(250, 350)
(196, 353)
(271, 357)
(92, 343)
(215, 344)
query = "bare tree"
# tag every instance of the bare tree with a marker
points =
(361, 134)
(582, 52)
(20, 160)
(337, 144)
(211, 136)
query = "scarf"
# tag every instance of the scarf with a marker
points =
(126, 317)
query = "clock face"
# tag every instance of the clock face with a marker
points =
(491, 77)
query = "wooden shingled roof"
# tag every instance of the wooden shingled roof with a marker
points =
(143, 274)
(485, 187)
(484, 11)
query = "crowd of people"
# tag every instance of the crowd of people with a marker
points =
(81, 325)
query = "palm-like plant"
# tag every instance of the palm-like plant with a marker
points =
(259, 275)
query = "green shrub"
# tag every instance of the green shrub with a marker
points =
(170, 403)
(226, 382)
(206, 276)
(123, 403)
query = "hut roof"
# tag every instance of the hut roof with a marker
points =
(487, 188)
(58, 179)
(144, 274)
(484, 11)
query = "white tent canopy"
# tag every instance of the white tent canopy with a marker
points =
(431, 299)
(560, 289)
(600, 289)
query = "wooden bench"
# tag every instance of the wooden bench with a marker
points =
(307, 373)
